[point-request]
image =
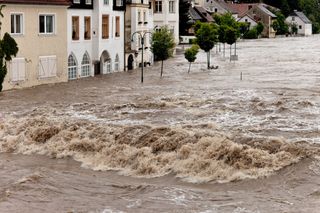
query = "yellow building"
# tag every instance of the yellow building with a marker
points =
(40, 30)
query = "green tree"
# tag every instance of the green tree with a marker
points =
(251, 34)
(226, 19)
(294, 29)
(227, 24)
(231, 37)
(184, 17)
(191, 54)
(206, 38)
(222, 36)
(8, 49)
(259, 28)
(162, 45)
(280, 25)
(244, 27)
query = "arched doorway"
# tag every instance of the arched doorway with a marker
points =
(105, 62)
(130, 62)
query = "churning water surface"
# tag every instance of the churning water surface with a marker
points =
(200, 142)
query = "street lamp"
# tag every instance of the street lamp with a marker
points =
(142, 36)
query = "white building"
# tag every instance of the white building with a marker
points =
(248, 19)
(138, 25)
(166, 13)
(79, 36)
(303, 24)
(95, 37)
(108, 36)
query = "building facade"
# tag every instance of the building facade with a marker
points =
(61, 40)
(166, 13)
(108, 36)
(249, 20)
(40, 30)
(303, 24)
(138, 25)
(80, 44)
(260, 13)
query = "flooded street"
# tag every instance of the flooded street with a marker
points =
(200, 142)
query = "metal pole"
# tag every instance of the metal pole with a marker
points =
(142, 44)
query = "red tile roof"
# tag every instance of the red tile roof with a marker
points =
(240, 8)
(37, 2)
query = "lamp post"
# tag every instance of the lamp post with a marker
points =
(142, 36)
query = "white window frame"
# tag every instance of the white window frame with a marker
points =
(73, 69)
(171, 29)
(21, 23)
(85, 68)
(144, 16)
(119, 3)
(84, 27)
(21, 74)
(50, 74)
(109, 66)
(172, 6)
(76, 1)
(139, 16)
(157, 6)
(45, 27)
(88, 2)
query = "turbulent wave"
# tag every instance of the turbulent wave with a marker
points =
(195, 153)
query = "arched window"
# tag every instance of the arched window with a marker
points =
(116, 63)
(85, 65)
(108, 64)
(72, 67)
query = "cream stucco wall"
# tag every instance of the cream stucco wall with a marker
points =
(32, 45)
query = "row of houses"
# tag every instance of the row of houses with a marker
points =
(62, 40)
(252, 13)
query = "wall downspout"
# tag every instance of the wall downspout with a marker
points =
(124, 39)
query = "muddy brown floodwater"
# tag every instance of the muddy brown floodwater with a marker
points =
(200, 142)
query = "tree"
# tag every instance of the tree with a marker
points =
(222, 36)
(184, 18)
(251, 34)
(231, 37)
(227, 22)
(191, 54)
(162, 45)
(244, 28)
(259, 28)
(8, 49)
(294, 29)
(206, 38)
(279, 25)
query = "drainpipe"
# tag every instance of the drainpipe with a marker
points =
(124, 37)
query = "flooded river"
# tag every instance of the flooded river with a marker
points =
(200, 142)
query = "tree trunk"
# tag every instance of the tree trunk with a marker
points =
(208, 59)
(161, 68)
(230, 51)
(189, 67)
(235, 48)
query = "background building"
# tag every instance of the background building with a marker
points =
(40, 30)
